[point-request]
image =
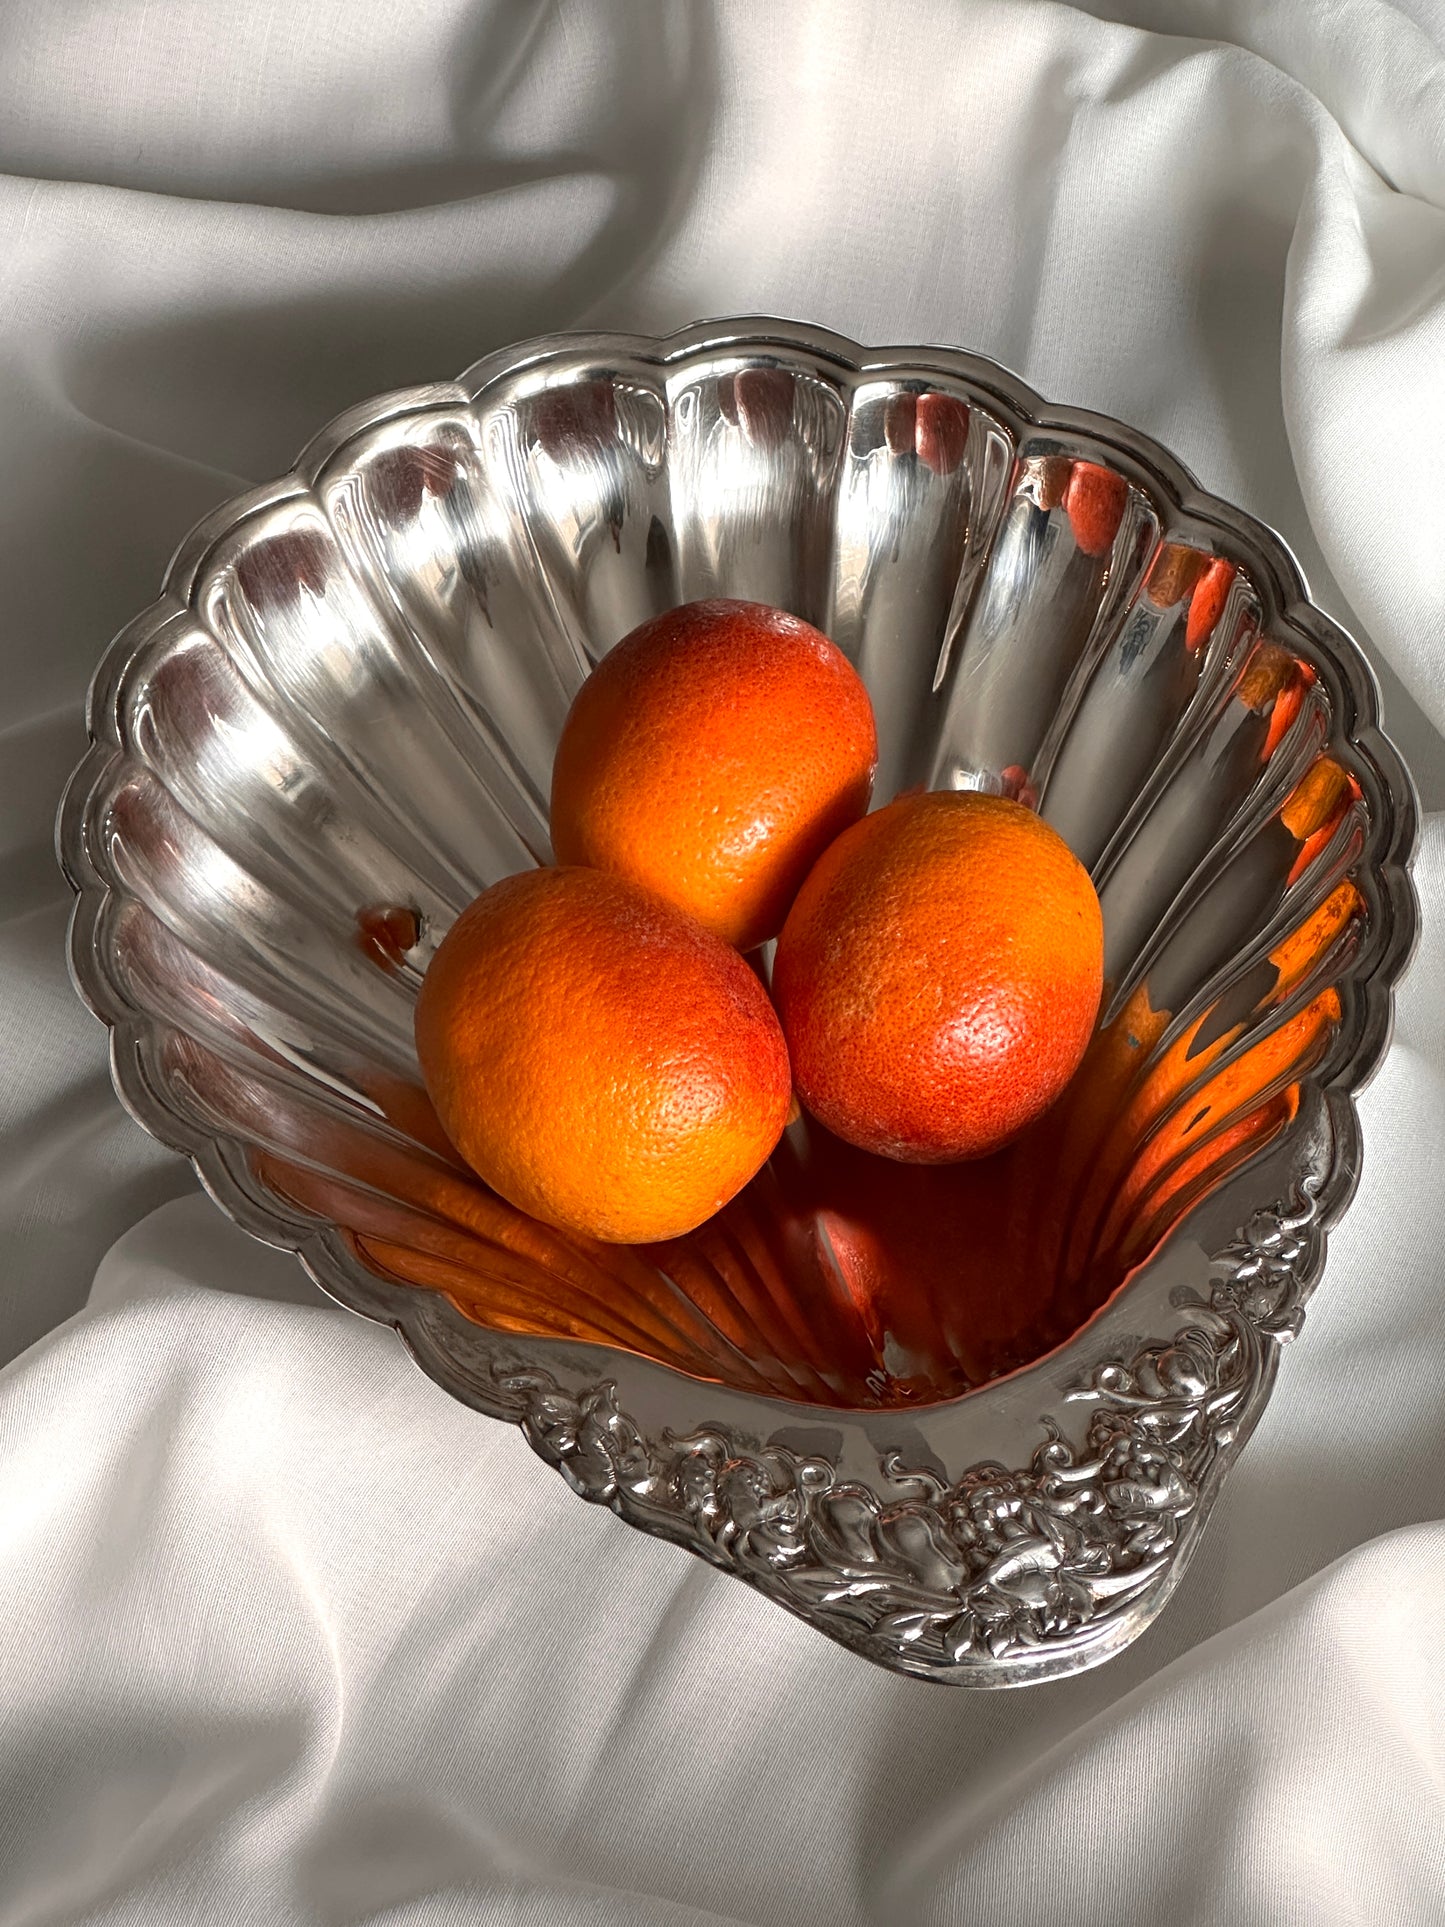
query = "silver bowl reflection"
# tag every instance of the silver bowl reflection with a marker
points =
(967, 1421)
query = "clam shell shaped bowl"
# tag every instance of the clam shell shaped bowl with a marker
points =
(968, 1420)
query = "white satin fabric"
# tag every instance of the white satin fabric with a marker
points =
(288, 1635)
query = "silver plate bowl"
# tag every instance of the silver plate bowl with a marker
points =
(968, 1421)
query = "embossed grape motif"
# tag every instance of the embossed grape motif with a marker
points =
(996, 1565)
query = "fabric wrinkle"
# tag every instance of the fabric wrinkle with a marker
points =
(292, 1638)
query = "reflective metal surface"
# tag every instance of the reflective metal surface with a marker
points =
(969, 1422)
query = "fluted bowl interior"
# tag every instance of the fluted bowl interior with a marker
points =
(336, 726)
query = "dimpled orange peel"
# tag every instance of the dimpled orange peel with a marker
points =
(712, 756)
(939, 976)
(601, 1060)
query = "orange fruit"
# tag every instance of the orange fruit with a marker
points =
(939, 976)
(713, 755)
(602, 1061)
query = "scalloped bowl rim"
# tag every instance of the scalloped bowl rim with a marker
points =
(218, 1160)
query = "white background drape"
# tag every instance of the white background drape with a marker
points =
(290, 1637)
